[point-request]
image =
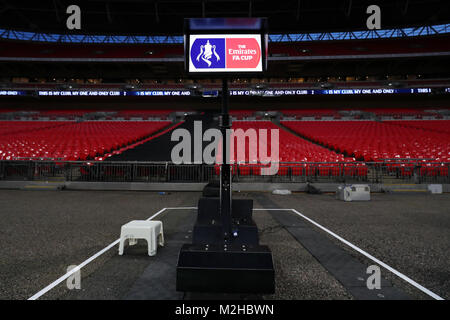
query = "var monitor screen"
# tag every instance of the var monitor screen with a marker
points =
(225, 53)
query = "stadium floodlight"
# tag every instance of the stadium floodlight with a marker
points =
(225, 256)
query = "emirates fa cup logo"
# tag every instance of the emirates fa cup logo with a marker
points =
(206, 53)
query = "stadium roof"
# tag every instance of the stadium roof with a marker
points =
(165, 17)
(174, 39)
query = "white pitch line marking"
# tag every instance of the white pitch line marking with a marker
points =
(397, 273)
(271, 209)
(381, 263)
(84, 263)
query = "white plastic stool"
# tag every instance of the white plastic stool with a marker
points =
(152, 231)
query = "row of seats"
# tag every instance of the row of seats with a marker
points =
(291, 147)
(143, 113)
(351, 140)
(72, 114)
(376, 141)
(360, 47)
(75, 141)
(310, 112)
(442, 126)
(48, 113)
(291, 48)
(14, 127)
(316, 160)
(396, 113)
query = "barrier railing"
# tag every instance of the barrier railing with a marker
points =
(342, 172)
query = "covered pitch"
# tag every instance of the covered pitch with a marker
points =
(316, 254)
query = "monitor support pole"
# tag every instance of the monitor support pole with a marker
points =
(225, 172)
(225, 255)
(220, 260)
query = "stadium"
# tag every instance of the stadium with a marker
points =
(332, 183)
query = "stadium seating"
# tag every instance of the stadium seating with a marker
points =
(292, 148)
(316, 160)
(73, 114)
(63, 113)
(149, 51)
(15, 127)
(241, 114)
(398, 113)
(335, 148)
(73, 140)
(144, 114)
(316, 113)
(403, 150)
(48, 50)
(442, 126)
(394, 113)
(375, 141)
(358, 47)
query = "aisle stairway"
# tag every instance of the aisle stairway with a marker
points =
(160, 148)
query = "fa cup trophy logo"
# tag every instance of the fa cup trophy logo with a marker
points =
(206, 52)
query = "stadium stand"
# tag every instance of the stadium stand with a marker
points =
(398, 113)
(241, 114)
(293, 49)
(375, 141)
(294, 149)
(15, 127)
(62, 113)
(17, 49)
(365, 47)
(441, 126)
(319, 143)
(384, 113)
(144, 114)
(73, 114)
(71, 140)
(402, 149)
(273, 83)
(316, 113)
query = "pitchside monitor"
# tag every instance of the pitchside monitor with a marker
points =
(225, 53)
(225, 46)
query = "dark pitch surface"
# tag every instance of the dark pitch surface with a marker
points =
(409, 232)
(44, 232)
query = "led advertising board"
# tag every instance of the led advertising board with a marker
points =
(220, 53)
(209, 93)
(12, 93)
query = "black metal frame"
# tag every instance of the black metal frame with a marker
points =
(223, 264)
(225, 169)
